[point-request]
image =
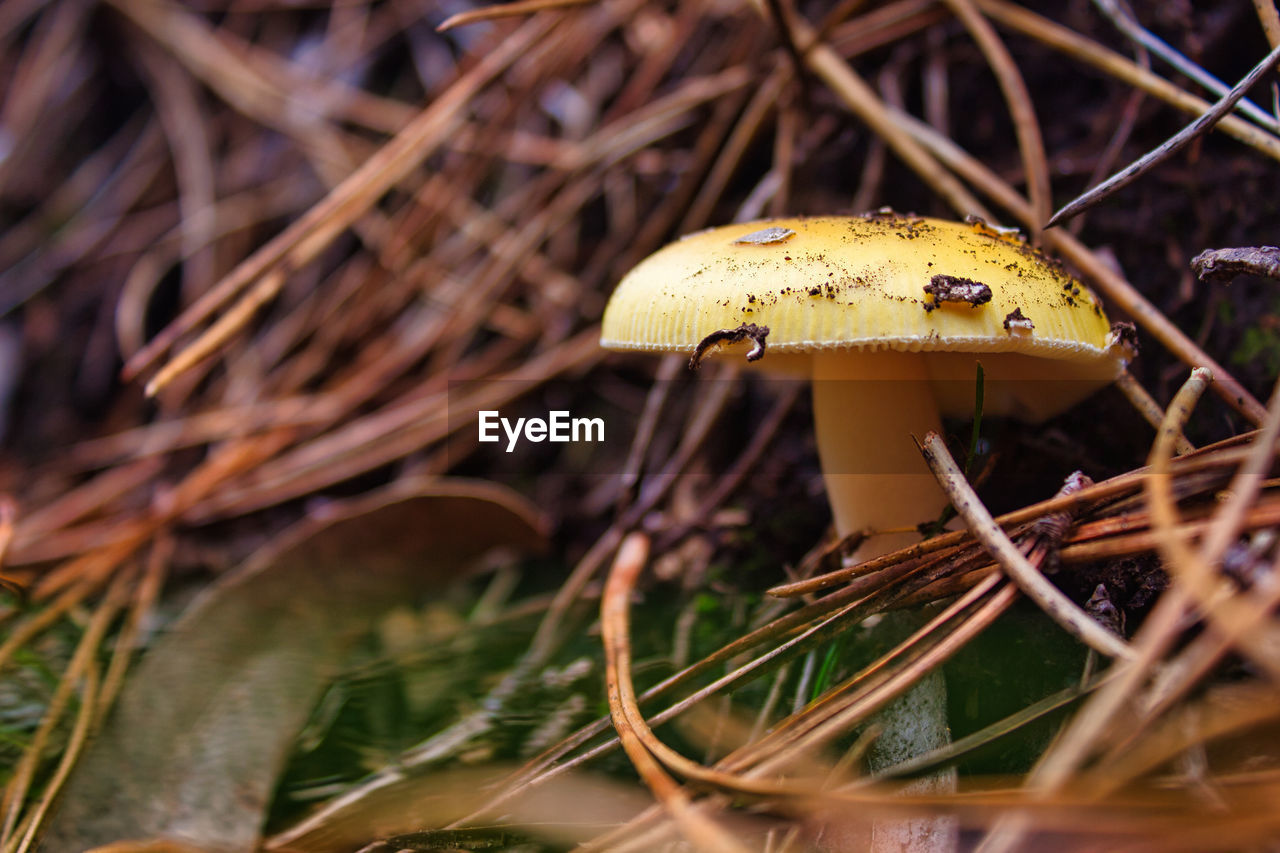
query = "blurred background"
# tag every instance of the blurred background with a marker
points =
(257, 257)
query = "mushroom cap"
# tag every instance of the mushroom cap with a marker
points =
(858, 282)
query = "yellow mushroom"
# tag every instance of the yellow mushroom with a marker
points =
(887, 314)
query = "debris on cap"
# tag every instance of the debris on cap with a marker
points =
(951, 288)
(765, 236)
(721, 337)
(1016, 321)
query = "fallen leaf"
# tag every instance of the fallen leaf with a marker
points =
(193, 750)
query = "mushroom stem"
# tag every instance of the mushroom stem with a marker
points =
(866, 407)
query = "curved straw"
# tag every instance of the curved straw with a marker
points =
(700, 830)
(1197, 571)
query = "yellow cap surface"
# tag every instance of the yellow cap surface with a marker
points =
(857, 282)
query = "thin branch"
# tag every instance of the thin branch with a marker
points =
(1171, 146)
(1086, 50)
(1126, 23)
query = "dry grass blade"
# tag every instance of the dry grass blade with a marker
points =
(140, 609)
(1054, 770)
(752, 768)
(90, 707)
(300, 242)
(996, 730)
(799, 631)
(1124, 535)
(509, 10)
(1195, 571)
(1072, 502)
(24, 631)
(549, 631)
(843, 706)
(756, 762)
(1226, 710)
(20, 820)
(729, 157)
(262, 85)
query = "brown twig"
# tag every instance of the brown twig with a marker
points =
(1035, 165)
(1051, 600)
